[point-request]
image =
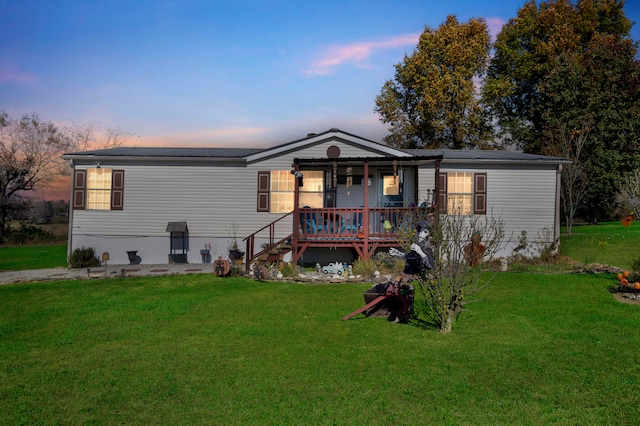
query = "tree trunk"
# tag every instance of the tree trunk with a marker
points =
(446, 325)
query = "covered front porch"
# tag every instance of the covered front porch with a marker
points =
(335, 206)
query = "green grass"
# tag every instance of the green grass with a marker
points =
(608, 243)
(535, 349)
(19, 258)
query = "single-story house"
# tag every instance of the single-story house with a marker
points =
(330, 196)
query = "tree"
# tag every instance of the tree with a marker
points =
(574, 184)
(561, 68)
(444, 291)
(91, 136)
(30, 151)
(630, 191)
(432, 101)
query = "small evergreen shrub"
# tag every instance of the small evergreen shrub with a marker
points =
(84, 257)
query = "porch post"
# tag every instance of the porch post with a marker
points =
(296, 214)
(365, 213)
(436, 196)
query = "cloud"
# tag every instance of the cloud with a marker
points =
(334, 56)
(243, 137)
(11, 74)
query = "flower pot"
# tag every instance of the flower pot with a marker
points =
(236, 255)
(132, 256)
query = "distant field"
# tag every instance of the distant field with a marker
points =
(32, 257)
(608, 243)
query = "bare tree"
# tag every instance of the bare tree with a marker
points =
(91, 136)
(574, 183)
(30, 151)
(630, 191)
(442, 293)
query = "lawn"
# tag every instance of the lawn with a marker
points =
(32, 257)
(535, 349)
(608, 243)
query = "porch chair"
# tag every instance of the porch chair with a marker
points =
(308, 221)
(354, 226)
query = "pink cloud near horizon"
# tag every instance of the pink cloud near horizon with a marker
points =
(240, 137)
(11, 74)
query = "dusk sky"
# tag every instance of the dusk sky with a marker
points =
(242, 73)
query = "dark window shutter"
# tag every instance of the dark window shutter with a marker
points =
(480, 193)
(79, 189)
(263, 191)
(117, 189)
(442, 193)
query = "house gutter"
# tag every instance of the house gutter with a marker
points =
(127, 158)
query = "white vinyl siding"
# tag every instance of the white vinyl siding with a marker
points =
(523, 196)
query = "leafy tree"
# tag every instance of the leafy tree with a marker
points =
(432, 101)
(30, 152)
(559, 69)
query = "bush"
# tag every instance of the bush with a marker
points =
(364, 267)
(28, 234)
(84, 257)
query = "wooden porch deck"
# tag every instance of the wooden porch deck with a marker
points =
(362, 229)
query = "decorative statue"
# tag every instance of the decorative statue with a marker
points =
(627, 220)
(420, 256)
(474, 251)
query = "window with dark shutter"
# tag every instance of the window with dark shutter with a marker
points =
(79, 189)
(263, 191)
(480, 193)
(117, 190)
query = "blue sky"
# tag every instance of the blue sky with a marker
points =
(243, 73)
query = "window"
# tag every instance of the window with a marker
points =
(98, 189)
(462, 193)
(276, 190)
(311, 191)
(281, 188)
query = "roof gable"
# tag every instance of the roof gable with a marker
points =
(332, 134)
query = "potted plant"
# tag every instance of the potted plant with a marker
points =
(235, 255)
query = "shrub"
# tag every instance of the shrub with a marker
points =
(365, 267)
(288, 270)
(84, 257)
(388, 264)
(28, 234)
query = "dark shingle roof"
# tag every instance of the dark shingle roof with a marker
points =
(487, 155)
(125, 151)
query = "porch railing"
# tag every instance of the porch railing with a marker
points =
(340, 223)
